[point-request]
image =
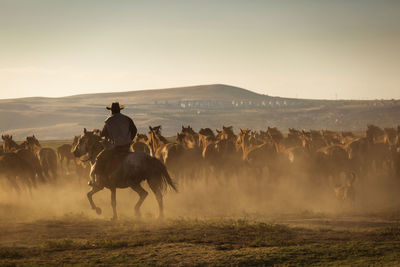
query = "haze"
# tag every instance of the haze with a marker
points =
(306, 49)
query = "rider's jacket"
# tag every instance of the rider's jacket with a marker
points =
(120, 129)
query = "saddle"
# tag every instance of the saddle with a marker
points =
(115, 161)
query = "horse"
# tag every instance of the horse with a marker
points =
(257, 157)
(171, 154)
(47, 156)
(64, 152)
(22, 150)
(9, 145)
(82, 167)
(134, 168)
(12, 166)
(141, 143)
(192, 153)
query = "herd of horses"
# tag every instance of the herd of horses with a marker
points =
(334, 160)
(323, 157)
(27, 162)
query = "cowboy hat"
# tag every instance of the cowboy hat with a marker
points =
(115, 106)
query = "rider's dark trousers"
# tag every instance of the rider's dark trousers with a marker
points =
(106, 156)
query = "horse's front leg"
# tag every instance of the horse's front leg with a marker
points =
(90, 194)
(114, 203)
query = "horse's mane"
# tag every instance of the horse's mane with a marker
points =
(207, 132)
(162, 138)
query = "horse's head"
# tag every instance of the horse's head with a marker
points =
(227, 133)
(6, 137)
(83, 143)
(32, 142)
(180, 138)
(142, 138)
(207, 132)
(243, 137)
(188, 130)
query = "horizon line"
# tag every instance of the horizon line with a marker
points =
(201, 85)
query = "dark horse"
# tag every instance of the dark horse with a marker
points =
(134, 168)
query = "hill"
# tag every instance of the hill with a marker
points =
(200, 106)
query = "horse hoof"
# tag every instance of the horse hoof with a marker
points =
(98, 210)
(113, 219)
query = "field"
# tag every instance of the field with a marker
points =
(215, 222)
(76, 239)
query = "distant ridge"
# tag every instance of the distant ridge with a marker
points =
(201, 106)
(218, 91)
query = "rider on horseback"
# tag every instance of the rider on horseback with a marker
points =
(119, 130)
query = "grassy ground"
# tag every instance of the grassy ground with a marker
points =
(78, 240)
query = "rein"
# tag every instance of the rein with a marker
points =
(94, 148)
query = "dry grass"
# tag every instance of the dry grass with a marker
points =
(79, 240)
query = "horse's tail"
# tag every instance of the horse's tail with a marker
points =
(165, 177)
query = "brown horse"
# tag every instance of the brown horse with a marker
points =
(82, 166)
(257, 157)
(171, 154)
(223, 154)
(135, 168)
(192, 153)
(141, 144)
(375, 134)
(294, 138)
(10, 145)
(206, 136)
(275, 135)
(226, 134)
(331, 137)
(47, 156)
(25, 154)
(390, 136)
(209, 152)
(14, 168)
(64, 152)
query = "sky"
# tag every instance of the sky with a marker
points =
(320, 49)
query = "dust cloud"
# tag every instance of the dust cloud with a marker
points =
(206, 196)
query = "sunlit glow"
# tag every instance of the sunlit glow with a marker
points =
(307, 49)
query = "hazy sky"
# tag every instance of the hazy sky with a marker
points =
(298, 48)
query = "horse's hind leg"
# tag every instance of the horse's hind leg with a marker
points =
(155, 186)
(114, 203)
(142, 196)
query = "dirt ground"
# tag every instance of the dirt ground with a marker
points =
(213, 223)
